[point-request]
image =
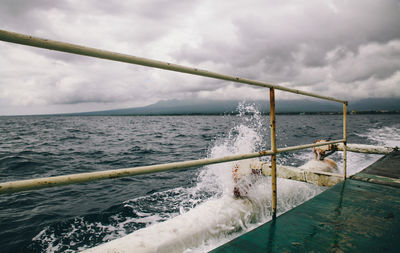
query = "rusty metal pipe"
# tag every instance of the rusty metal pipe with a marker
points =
(38, 183)
(30, 184)
(345, 140)
(103, 54)
(274, 150)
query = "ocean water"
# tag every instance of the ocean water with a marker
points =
(76, 217)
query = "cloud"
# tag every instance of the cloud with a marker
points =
(312, 46)
(375, 60)
(337, 48)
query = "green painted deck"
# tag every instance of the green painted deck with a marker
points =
(361, 214)
(385, 171)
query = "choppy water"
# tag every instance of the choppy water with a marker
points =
(72, 218)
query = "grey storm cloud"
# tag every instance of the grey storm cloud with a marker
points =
(316, 35)
(347, 49)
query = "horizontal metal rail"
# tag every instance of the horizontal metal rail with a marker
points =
(93, 52)
(38, 183)
(293, 148)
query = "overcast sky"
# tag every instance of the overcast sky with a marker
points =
(346, 49)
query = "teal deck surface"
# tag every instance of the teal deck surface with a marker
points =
(352, 216)
(385, 171)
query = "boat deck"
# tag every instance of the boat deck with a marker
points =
(361, 214)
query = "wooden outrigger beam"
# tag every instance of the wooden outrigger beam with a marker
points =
(369, 149)
(320, 178)
(303, 174)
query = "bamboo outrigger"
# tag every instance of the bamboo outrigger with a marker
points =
(323, 178)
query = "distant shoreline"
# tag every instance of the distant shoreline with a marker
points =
(198, 114)
(232, 107)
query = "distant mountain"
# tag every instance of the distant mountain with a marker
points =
(171, 107)
(204, 106)
(375, 104)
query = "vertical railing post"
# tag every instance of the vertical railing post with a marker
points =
(273, 148)
(345, 140)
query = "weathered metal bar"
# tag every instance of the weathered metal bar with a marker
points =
(274, 149)
(38, 183)
(293, 148)
(30, 184)
(103, 54)
(362, 148)
(345, 140)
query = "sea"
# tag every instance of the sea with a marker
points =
(76, 217)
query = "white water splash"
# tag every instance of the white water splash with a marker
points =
(243, 138)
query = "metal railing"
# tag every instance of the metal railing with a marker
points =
(23, 185)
